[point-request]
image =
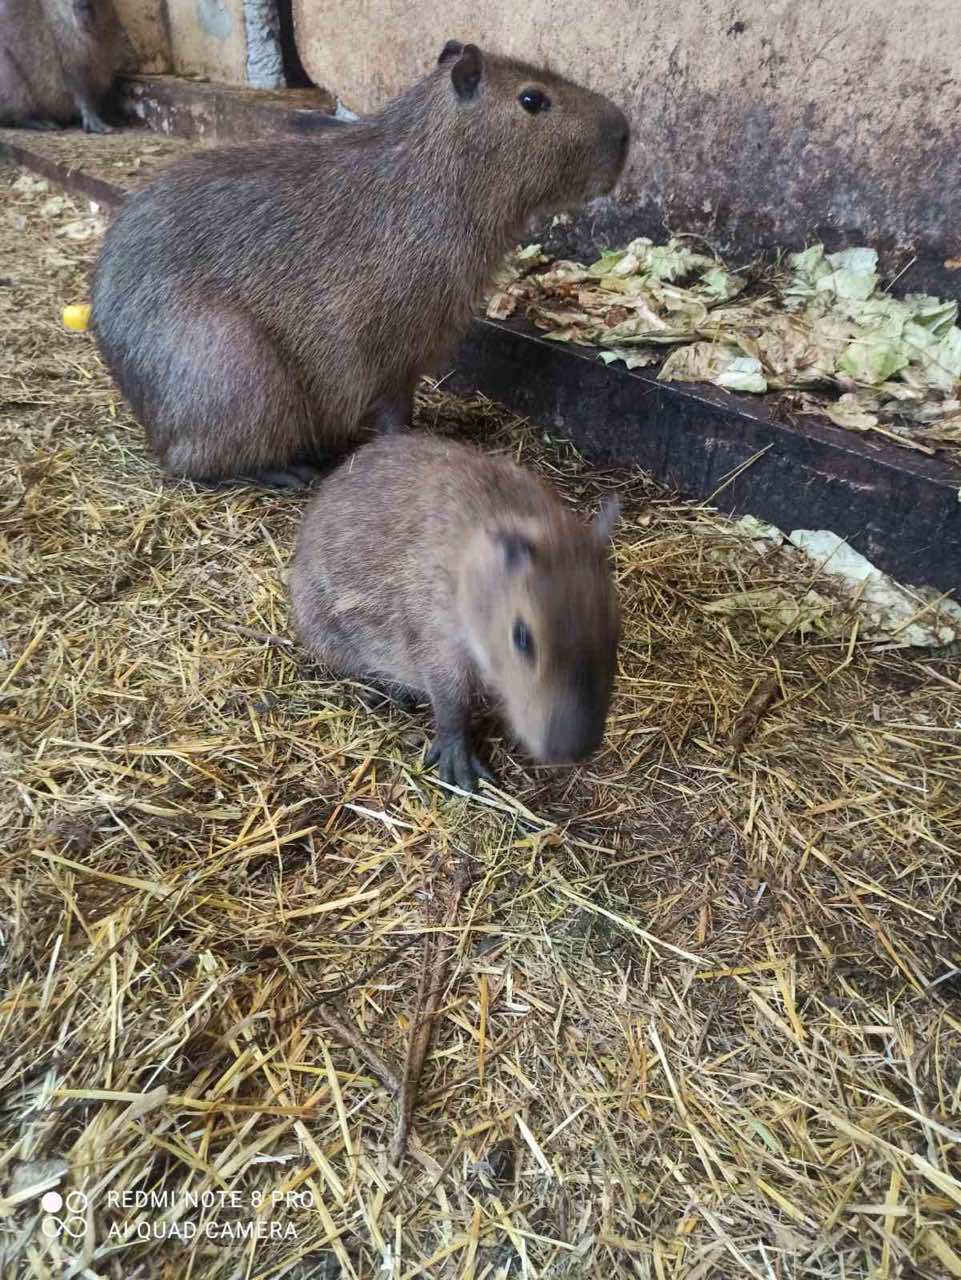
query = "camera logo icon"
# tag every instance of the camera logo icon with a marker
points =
(64, 1216)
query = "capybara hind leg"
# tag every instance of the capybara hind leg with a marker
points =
(215, 396)
(391, 413)
(376, 694)
(92, 121)
(297, 476)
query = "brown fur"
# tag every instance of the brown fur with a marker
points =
(58, 60)
(265, 305)
(416, 560)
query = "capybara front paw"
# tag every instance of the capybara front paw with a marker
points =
(456, 763)
(297, 476)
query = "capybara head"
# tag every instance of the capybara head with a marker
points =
(556, 143)
(540, 612)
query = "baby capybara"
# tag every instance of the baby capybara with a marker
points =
(435, 569)
(265, 306)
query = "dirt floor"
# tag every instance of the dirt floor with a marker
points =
(700, 1001)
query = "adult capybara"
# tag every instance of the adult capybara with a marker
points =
(58, 60)
(438, 569)
(264, 306)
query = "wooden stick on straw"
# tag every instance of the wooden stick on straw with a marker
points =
(751, 713)
(437, 957)
(348, 1034)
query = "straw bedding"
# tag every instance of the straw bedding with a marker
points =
(698, 1004)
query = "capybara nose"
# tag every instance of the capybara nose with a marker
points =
(572, 737)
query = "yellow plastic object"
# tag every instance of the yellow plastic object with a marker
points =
(76, 318)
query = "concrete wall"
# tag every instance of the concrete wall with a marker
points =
(190, 37)
(145, 24)
(755, 123)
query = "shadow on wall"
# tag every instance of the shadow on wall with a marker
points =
(295, 73)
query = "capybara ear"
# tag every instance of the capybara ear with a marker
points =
(452, 49)
(85, 14)
(608, 514)
(518, 551)
(467, 70)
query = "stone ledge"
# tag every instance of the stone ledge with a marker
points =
(202, 111)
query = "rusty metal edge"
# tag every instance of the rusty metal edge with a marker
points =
(73, 180)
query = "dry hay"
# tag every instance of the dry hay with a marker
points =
(701, 1016)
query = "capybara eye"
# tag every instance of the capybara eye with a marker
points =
(533, 100)
(523, 640)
